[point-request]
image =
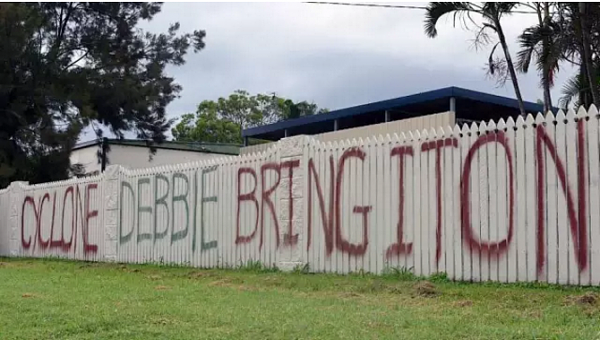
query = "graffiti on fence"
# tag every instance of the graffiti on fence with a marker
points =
(161, 229)
(331, 219)
(290, 239)
(177, 204)
(80, 215)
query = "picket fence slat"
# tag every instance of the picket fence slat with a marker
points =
(593, 156)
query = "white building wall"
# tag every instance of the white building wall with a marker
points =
(136, 157)
(88, 157)
(432, 121)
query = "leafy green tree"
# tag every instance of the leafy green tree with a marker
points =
(68, 66)
(291, 110)
(205, 126)
(223, 120)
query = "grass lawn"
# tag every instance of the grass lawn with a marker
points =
(51, 299)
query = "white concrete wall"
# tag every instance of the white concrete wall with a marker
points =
(88, 157)
(432, 121)
(502, 201)
(4, 218)
(136, 157)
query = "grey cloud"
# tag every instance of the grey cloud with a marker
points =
(335, 56)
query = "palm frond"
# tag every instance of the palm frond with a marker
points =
(494, 11)
(550, 58)
(500, 70)
(436, 10)
(491, 63)
(506, 7)
(482, 38)
(528, 40)
(570, 91)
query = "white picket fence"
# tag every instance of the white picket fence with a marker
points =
(507, 201)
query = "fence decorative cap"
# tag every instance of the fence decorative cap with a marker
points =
(482, 128)
(510, 122)
(529, 120)
(501, 124)
(581, 113)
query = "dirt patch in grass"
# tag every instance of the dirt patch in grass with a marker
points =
(425, 288)
(200, 275)
(244, 288)
(590, 298)
(587, 299)
(236, 284)
(347, 295)
(93, 265)
(534, 314)
(128, 270)
(221, 283)
(162, 321)
(464, 303)
(162, 288)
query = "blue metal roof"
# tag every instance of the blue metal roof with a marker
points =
(397, 103)
(219, 148)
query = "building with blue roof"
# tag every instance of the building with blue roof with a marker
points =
(467, 106)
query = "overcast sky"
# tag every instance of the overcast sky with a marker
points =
(335, 56)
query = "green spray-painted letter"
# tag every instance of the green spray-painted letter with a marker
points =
(211, 244)
(125, 238)
(204, 246)
(161, 201)
(142, 209)
(175, 236)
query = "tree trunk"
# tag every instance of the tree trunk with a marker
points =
(587, 55)
(584, 92)
(546, 68)
(511, 67)
(547, 97)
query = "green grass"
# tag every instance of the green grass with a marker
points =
(52, 299)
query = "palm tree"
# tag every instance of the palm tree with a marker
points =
(570, 35)
(491, 13)
(576, 91)
(547, 43)
(586, 55)
(571, 92)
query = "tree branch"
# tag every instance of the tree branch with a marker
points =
(61, 31)
(75, 61)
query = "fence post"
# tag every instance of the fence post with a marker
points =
(111, 211)
(15, 191)
(4, 219)
(291, 203)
